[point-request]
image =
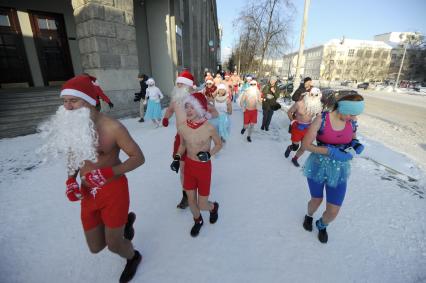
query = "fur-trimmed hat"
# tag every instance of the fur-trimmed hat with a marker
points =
(150, 82)
(199, 102)
(185, 78)
(85, 87)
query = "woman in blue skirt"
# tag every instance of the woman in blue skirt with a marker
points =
(153, 96)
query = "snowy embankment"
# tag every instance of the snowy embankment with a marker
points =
(379, 235)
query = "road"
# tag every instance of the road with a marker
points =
(397, 120)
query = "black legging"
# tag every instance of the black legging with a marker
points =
(267, 117)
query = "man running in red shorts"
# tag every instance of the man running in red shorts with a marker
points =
(104, 190)
(249, 102)
(196, 137)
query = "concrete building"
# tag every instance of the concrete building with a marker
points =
(44, 43)
(415, 59)
(345, 59)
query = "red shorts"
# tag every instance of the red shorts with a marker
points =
(250, 117)
(109, 206)
(197, 175)
(298, 131)
(176, 145)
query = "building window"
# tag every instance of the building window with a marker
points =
(368, 53)
(385, 55)
(340, 62)
(4, 21)
(359, 53)
(393, 56)
(46, 24)
(377, 54)
(351, 52)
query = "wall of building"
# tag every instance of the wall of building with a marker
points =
(58, 6)
(159, 30)
(142, 38)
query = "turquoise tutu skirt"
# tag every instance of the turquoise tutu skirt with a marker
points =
(153, 110)
(222, 125)
(322, 169)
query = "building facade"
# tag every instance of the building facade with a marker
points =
(44, 43)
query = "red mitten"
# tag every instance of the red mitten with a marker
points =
(73, 189)
(165, 122)
(98, 177)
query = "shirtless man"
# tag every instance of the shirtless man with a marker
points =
(249, 101)
(104, 190)
(301, 114)
(196, 137)
(183, 88)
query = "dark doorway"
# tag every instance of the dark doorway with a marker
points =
(52, 47)
(14, 67)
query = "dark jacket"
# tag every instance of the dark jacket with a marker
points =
(267, 102)
(142, 92)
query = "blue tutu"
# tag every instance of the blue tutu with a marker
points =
(153, 111)
(224, 125)
(322, 169)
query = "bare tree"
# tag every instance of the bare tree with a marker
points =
(264, 27)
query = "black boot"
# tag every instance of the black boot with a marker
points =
(243, 131)
(214, 213)
(307, 224)
(248, 138)
(184, 201)
(141, 120)
(197, 226)
(262, 128)
(288, 150)
(131, 267)
(129, 231)
(322, 232)
(295, 162)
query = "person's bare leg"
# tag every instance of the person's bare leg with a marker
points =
(192, 201)
(95, 238)
(313, 205)
(330, 213)
(204, 203)
(117, 243)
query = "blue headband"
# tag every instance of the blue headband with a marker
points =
(347, 107)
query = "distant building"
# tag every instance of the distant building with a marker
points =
(415, 57)
(345, 59)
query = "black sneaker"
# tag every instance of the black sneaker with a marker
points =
(141, 120)
(249, 139)
(287, 151)
(214, 213)
(183, 203)
(262, 128)
(129, 231)
(197, 226)
(243, 131)
(294, 161)
(322, 234)
(131, 267)
(266, 129)
(307, 224)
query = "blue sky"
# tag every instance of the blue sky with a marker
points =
(355, 19)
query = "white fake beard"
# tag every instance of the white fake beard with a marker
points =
(179, 93)
(69, 133)
(313, 104)
(252, 91)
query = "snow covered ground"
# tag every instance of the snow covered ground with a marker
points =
(379, 235)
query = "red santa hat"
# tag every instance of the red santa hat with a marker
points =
(199, 102)
(85, 87)
(185, 78)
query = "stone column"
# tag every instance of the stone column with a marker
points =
(107, 41)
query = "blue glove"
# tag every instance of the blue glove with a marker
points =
(355, 144)
(338, 154)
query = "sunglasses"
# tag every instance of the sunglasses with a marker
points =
(253, 84)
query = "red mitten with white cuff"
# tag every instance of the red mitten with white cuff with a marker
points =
(73, 189)
(98, 177)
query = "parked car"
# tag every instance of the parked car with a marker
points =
(286, 87)
(363, 85)
(345, 83)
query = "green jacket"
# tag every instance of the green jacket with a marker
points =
(269, 98)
